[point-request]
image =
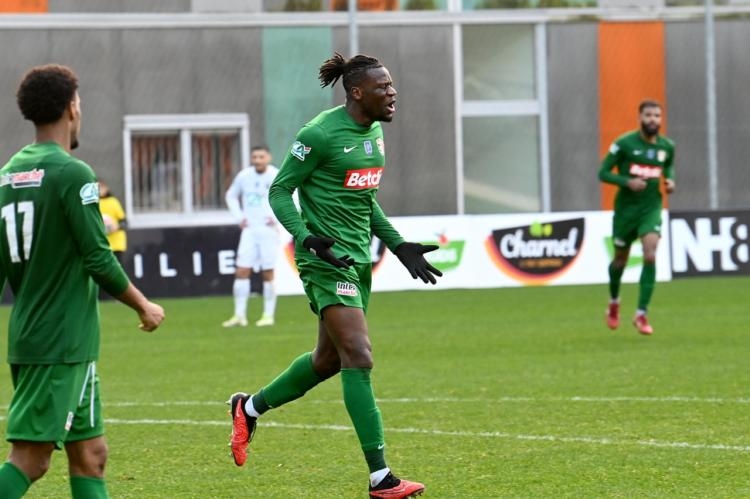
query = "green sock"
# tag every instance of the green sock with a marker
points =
(88, 487)
(13, 482)
(290, 385)
(647, 283)
(615, 278)
(365, 415)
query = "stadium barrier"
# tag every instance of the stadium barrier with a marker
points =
(710, 243)
(476, 251)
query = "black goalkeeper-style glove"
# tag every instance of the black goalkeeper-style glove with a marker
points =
(411, 255)
(321, 247)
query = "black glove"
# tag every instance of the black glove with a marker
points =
(320, 247)
(410, 255)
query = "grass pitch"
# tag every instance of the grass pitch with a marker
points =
(503, 393)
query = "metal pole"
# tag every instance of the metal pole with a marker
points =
(713, 180)
(353, 30)
(458, 123)
(540, 53)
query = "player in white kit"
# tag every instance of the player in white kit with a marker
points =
(247, 199)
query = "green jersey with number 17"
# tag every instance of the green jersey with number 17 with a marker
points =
(336, 164)
(52, 244)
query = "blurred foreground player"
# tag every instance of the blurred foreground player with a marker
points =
(53, 252)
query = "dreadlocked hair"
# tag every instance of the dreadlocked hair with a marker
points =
(351, 71)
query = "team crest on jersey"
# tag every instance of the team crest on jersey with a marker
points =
(300, 150)
(346, 289)
(661, 155)
(89, 193)
(19, 180)
(381, 146)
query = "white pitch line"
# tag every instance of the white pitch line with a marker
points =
(674, 398)
(169, 403)
(468, 434)
(459, 400)
(469, 400)
(670, 398)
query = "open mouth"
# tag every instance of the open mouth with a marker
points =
(391, 107)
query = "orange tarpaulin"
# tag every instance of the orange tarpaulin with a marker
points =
(631, 69)
(22, 6)
(366, 5)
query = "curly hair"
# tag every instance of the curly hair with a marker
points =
(45, 92)
(352, 71)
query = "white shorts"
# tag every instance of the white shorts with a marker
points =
(258, 248)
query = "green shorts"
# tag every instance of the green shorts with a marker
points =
(55, 403)
(327, 285)
(629, 225)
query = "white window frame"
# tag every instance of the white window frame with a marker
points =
(185, 124)
(493, 108)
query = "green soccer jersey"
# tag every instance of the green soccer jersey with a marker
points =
(336, 166)
(52, 251)
(636, 158)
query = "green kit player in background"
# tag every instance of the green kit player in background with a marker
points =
(53, 253)
(642, 157)
(336, 164)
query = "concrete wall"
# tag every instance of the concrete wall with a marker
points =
(136, 71)
(686, 112)
(208, 70)
(119, 5)
(733, 73)
(573, 105)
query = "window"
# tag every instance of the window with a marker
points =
(178, 165)
(528, 4)
(498, 62)
(504, 163)
(155, 173)
(501, 172)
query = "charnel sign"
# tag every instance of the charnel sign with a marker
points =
(538, 252)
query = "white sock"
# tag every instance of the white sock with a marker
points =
(614, 301)
(377, 476)
(250, 408)
(241, 291)
(269, 299)
(640, 312)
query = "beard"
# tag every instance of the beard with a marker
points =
(74, 142)
(376, 111)
(650, 130)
